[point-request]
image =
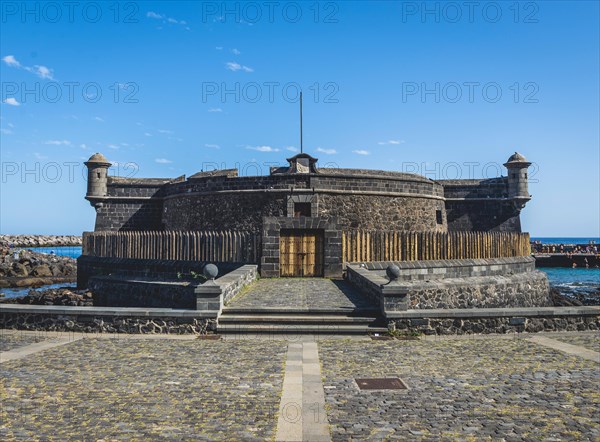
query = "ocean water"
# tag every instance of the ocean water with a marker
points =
(566, 239)
(578, 281)
(70, 251)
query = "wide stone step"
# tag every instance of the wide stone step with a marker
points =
(299, 329)
(294, 319)
(329, 311)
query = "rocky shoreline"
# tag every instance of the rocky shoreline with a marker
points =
(39, 240)
(62, 296)
(24, 268)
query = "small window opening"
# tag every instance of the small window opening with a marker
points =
(438, 217)
(301, 209)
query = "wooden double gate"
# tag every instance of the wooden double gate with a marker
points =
(301, 253)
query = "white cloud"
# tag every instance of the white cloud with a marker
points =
(12, 101)
(233, 66)
(39, 156)
(165, 131)
(148, 134)
(361, 152)
(39, 70)
(326, 151)
(99, 119)
(42, 72)
(163, 161)
(291, 148)
(157, 16)
(262, 148)
(58, 142)
(112, 146)
(83, 146)
(6, 131)
(234, 51)
(219, 48)
(212, 146)
(383, 143)
(215, 109)
(11, 61)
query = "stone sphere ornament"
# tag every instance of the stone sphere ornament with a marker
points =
(210, 271)
(393, 272)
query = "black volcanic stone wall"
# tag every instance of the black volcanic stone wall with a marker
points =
(467, 208)
(230, 211)
(375, 184)
(361, 199)
(381, 212)
(129, 215)
(483, 216)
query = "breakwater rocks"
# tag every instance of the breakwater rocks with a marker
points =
(39, 240)
(62, 296)
(31, 269)
(570, 299)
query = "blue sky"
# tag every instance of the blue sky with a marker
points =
(170, 88)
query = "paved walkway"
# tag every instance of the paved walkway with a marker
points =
(302, 293)
(109, 387)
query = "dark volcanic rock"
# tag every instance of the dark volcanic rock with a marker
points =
(560, 300)
(62, 296)
(24, 268)
(41, 271)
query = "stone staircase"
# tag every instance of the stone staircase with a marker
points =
(317, 321)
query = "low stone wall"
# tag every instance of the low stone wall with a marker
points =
(104, 320)
(88, 266)
(126, 291)
(233, 282)
(455, 268)
(521, 290)
(476, 321)
(137, 292)
(489, 283)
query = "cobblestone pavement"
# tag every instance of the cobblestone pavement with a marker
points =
(460, 389)
(301, 293)
(163, 388)
(136, 389)
(12, 340)
(590, 341)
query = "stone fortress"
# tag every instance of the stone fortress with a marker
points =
(448, 243)
(359, 199)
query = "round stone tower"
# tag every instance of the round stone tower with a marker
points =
(517, 178)
(97, 177)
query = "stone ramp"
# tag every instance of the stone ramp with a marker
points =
(311, 294)
(301, 306)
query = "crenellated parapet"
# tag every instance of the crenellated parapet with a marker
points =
(358, 198)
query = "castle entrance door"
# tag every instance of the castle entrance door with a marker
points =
(301, 252)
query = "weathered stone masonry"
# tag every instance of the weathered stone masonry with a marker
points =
(360, 199)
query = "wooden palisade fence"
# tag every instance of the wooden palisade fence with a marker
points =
(364, 245)
(215, 246)
(357, 245)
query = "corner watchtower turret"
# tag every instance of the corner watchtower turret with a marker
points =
(97, 178)
(517, 179)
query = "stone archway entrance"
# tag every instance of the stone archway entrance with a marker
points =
(301, 253)
(318, 240)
